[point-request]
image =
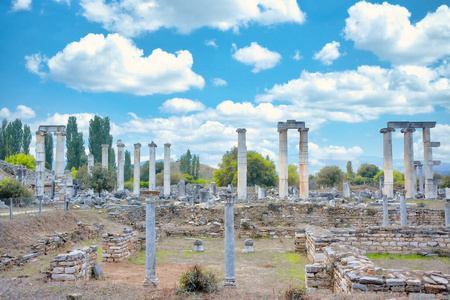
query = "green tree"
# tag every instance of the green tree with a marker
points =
(49, 151)
(3, 146)
(376, 177)
(368, 170)
(445, 182)
(22, 159)
(144, 171)
(197, 168)
(175, 177)
(330, 176)
(26, 139)
(74, 144)
(350, 174)
(159, 167)
(260, 171)
(11, 188)
(99, 129)
(185, 163)
(293, 179)
(14, 137)
(100, 179)
(127, 166)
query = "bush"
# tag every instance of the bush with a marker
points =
(144, 184)
(295, 293)
(11, 188)
(128, 185)
(197, 280)
(22, 159)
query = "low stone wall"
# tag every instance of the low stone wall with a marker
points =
(76, 265)
(117, 247)
(300, 240)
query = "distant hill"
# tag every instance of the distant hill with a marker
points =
(206, 172)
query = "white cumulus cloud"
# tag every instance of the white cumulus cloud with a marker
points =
(259, 57)
(386, 30)
(329, 53)
(297, 55)
(219, 82)
(211, 43)
(17, 5)
(181, 106)
(114, 64)
(134, 17)
(22, 112)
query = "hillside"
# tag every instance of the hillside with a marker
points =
(206, 172)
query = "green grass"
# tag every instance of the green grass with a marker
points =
(399, 256)
(296, 265)
(160, 257)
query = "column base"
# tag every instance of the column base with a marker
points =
(230, 283)
(151, 282)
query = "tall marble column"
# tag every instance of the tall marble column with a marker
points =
(430, 189)
(40, 163)
(105, 148)
(137, 170)
(59, 157)
(419, 166)
(447, 212)
(385, 211)
(120, 165)
(167, 170)
(303, 164)
(90, 163)
(403, 212)
(409, 162)
(283, 181)
(150, 246)
(242, 164)
(387, 162)
(152, 167)
(230, 278)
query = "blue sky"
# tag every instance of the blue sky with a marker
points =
(191, 72)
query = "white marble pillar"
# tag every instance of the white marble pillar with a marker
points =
(283, 168)
(137, 170)
(105, 148)
(403, 212)
(150, 246)
(242, 164)
(120, 165)
(447, 212)
(230, 277)
(59, 157)
(387, 162)
(303, 164)
(409, 162)
(430, 190)
(152, 166)
(385, 211)
(167, 170)
(90, 163)
(40, 163)
(419, 166)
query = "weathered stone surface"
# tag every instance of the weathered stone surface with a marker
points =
(98, 271)
(360, 287)
(371, 280)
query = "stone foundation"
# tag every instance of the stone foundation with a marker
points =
(75, 265)
(117, 247)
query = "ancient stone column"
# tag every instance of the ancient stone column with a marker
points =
(230, 278)
(137, 170)
(167, 170)
(419, 166)
(430, 189)
(181, 189)
(409, 162)
(403, 213)
(120, 165)
(385, 211)
(283, 182)
(90, 163)
(242, 164)
(150, 246)
(105, 148)
(303, 164)
(152, 167)
(40, 163)
(387, 162)
(59, 157)
(447, 212)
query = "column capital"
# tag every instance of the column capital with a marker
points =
(41, 132)
(119, 144)
(105, 145)
(137, 146)
(152, 144)
(405, 130)
(386, 130)
(63, 133)
(303, 129)
(282, 130)
(167, 145)
(239, 130)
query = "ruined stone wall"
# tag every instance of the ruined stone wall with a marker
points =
(117, 247)
(75, 265)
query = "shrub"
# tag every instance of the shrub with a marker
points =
(22, 159)
(196, 279)
(11, 188)
(144, 184)
(128, 185)
(295, 293)
(371, 211)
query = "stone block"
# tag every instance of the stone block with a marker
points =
(69, 270)
(58, 270)
(395, 282)
(371, 280)
(360, 287)
(63, 277)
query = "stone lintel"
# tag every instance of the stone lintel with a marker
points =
(120, 144)
(387, 129)
(152, 144)
(137, 145)
(411, 124)
(167, 145)
(52, 128)
(435, 144)
(436, 162)
(303, 129)
(290, 124)
(418, 163)
(409, 129)
(241, 130)
(41, 132)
